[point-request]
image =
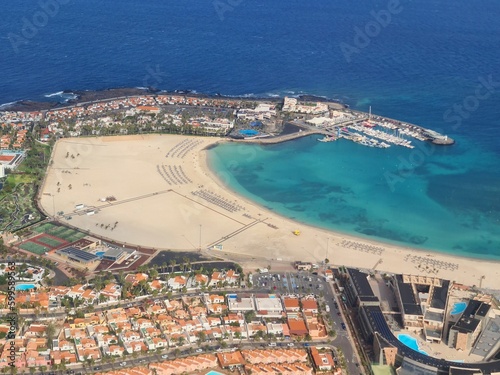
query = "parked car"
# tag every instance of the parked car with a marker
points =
(164, 356)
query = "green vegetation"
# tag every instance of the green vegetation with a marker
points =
(52, 242)
(34, 248)
(17, 207)
(67, 234)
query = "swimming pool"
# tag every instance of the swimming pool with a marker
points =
(458, 308)
(213, 373)
(411, 343)
(100, 254)
(25, 286)
(248, 132)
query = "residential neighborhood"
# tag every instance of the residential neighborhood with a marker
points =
(110, 326)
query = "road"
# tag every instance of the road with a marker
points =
(287, 283)
(305, 282)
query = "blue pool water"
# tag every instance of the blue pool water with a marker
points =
(100, 254)
(213, 373)
(25, 286)
(248, 132)
(411, 343)
(458, 308)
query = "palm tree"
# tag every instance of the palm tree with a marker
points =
(172, 264)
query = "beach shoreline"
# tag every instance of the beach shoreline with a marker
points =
(402, 250)
(192, 217)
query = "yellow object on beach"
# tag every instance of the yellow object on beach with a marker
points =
(296, 232)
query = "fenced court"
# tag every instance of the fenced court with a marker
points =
(34, 248)
(44, 239)
(66, 234)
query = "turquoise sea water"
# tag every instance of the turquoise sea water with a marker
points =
(444, 202)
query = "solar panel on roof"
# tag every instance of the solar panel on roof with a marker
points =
(79, 253)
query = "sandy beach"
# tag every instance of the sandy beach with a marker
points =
(160, 193)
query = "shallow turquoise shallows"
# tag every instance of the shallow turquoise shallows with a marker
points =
(410, 342)
(446, 203)
(25, 286)
(458, 308)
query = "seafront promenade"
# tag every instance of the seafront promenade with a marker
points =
(283, 138)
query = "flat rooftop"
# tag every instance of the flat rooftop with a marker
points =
(360, 281)
(77, 254)
(237, 303)
(270, 303)
(410, 305)
(114, 252)
(468, 321)
(434, 316)
(440, 295)
(488, 342)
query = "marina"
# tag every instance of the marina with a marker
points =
(374, 131)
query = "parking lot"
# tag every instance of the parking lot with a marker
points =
(290, 282)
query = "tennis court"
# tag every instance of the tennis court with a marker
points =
(46, 240)
(66, 234)
(34, 248)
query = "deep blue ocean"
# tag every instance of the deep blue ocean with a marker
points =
(434, 63)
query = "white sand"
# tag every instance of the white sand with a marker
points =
(174, 218)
